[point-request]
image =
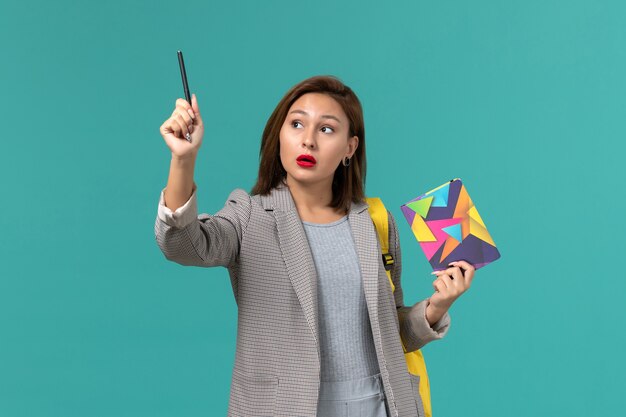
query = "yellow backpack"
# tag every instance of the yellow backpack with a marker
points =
(414, 360)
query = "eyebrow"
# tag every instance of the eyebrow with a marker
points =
(323, 116)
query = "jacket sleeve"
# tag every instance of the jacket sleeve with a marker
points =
(203, 240)
(415, 331)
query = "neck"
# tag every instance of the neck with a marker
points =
(311, 198)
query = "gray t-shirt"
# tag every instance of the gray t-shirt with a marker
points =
(346, 341)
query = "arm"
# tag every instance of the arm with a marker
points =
(202, 240)
(180, 181)
(415, 330)
(182, 235)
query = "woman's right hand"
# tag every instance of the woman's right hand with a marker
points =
(185, 119)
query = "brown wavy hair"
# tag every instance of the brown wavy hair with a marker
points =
(348, 182)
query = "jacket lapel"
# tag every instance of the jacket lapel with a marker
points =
(300, 265)
(299, 260)
(365, 240)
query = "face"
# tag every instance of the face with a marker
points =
(316, 126)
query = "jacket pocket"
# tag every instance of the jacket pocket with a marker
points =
(252, 395)
(415, 383)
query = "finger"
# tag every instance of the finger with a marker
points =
(458, 280)
(185, 115)
(166, 127)
(195, 107)
(450, 272)
(441, 278)
(185, 110)
(455, 272)
(468, 278)
(463, 264)
(457, 283)
(181, 102)
(468, 275)
(177, 127)
(182, 123)
(447, 280)
(440, 286)
(186, 119)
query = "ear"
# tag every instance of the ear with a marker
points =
(353, 143)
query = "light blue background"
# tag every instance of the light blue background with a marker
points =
(525, 101)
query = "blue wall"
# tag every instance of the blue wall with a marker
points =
(525, 101)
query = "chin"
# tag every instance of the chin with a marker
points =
(312, 178)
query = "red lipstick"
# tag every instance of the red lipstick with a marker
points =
(306, 161)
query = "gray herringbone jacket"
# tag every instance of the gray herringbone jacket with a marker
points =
(262, 242)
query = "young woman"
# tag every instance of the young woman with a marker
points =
(319, 330)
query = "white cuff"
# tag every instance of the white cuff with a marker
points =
(183, 215)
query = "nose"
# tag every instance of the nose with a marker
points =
(308, 141)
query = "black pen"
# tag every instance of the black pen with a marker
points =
(183, 74)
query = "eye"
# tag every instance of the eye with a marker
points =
(327, 127)
(295, 122)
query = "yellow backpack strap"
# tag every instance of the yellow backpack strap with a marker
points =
(416, 364)
(378, 212)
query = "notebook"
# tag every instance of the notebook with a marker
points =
(447, 226)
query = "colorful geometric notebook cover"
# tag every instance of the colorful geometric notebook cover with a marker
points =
(448, 227)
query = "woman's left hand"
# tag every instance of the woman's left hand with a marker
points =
(449, 285)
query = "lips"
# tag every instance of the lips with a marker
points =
(306, 160)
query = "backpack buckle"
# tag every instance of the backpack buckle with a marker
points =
(388, 261)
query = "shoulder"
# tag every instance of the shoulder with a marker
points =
(238, 204)
(239, 195)
(245, 204)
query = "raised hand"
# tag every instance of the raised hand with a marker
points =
(185, 120)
